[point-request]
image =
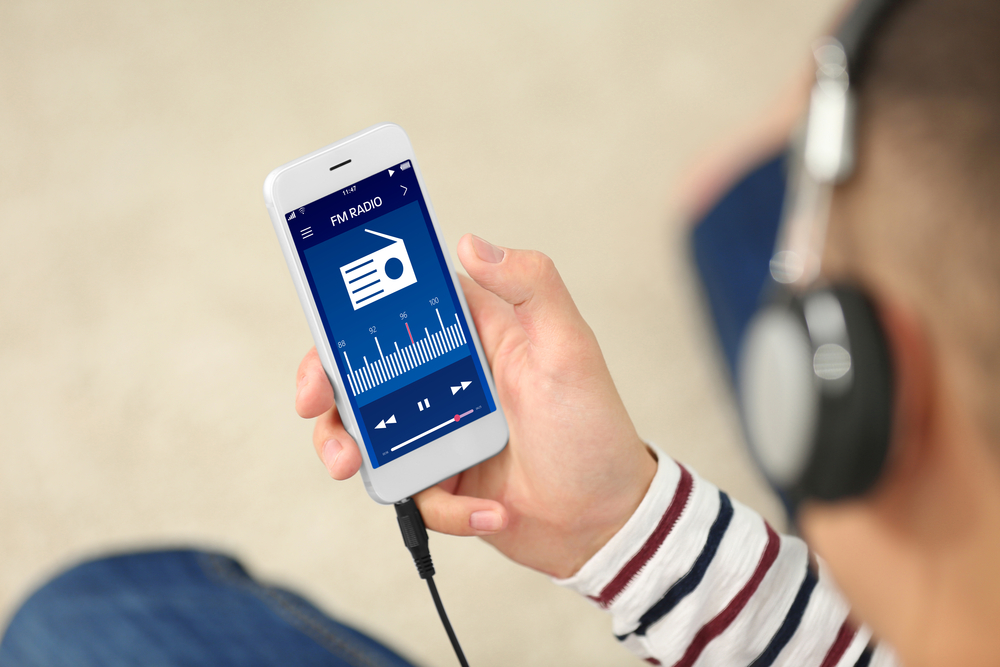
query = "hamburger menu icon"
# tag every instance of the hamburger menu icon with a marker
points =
(379, 274)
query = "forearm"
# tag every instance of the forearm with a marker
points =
(695, 575)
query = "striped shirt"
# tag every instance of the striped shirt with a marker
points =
(696, 578)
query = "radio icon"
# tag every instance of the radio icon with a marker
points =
(379, 274)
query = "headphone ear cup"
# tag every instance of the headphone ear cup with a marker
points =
(854, 427)
(815, 391)
(778, 396)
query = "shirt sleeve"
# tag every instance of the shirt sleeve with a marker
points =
(695, 577)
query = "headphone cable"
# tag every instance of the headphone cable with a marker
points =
(411, 525)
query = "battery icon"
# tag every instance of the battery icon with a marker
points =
(404, 166)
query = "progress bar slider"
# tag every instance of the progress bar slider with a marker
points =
(431, 430)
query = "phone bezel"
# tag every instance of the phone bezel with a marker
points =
(302, 182)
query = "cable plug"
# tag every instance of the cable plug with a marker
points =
(411, 525)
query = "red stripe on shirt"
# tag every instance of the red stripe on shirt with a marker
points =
(677, 504)
(717, 625)
(844, 638)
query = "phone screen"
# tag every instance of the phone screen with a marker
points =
(381, 285)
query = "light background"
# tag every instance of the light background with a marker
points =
(149, 332)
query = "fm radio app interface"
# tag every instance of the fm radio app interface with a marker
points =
(378, 276)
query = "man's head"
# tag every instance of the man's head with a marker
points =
(918, 226)
(922, 213)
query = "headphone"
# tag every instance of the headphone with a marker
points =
(814, 371)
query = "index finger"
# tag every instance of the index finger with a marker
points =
(313, 394)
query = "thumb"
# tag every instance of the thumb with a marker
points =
(529, 281)
(460, 515)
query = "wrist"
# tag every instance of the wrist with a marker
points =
(615, 511)
(639, 539)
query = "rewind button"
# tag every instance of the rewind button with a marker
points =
(390, 420)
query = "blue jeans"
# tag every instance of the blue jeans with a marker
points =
(178, 608)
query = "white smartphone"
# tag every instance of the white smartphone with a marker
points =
(388, 316)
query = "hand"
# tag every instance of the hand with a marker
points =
(574, 471)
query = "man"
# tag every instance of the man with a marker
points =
(689, 575)
(918, 227)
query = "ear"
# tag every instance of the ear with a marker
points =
(910, 555)
(914, 388)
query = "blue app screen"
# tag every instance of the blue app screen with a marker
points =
(380, 282)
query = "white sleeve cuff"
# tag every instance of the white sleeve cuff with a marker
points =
(598, 572)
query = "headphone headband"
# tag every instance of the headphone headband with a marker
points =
(815, 377)
(826, 155)
(856, 32)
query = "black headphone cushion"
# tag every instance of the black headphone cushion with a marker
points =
(816, 392)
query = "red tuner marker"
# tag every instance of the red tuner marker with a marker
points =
(457, 417)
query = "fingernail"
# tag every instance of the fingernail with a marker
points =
(486, 520)
(303, 381)
(486, 250)
(331, 449)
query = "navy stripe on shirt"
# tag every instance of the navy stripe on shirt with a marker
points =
(792, 619)
(724, 618)
(865, 657)
(686, 584)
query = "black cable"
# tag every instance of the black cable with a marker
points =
(411, 525)
(447, 624)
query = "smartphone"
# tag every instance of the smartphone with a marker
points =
(386, 311)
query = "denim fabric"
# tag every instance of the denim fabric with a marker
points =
(732, 247)
(174, 608)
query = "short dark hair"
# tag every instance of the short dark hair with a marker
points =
(923, 208)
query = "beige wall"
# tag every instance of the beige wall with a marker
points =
(149, 332)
